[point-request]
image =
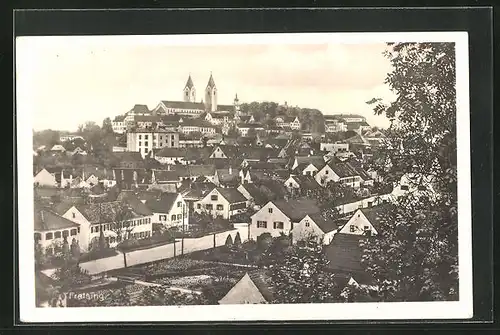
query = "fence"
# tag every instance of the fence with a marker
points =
(166, 251)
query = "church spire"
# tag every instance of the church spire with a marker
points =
(189, 83)
(211, 81)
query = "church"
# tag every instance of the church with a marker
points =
(188, 106)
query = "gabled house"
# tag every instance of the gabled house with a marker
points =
(304, 161)
(341, 172)
(58, 148)
(301, 183)
(415, 184)
(316, 227)
(255, 195)
(223, 202)
(228, 177)
(45, 178)
(170, 209)
(364, 222)
(280, 216)
(254, 287)
(245, 129)
(109, 217)
(51, 229)
(224, 151)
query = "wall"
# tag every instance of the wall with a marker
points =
(164, 251)
(364, 203)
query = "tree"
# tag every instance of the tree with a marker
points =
(122, 228)
(70, 275)
(416, 254)
(302, 277)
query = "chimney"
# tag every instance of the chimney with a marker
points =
(41, 215)
(230, 170)
(114, 175)
(168, 167)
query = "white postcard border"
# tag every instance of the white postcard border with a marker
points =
(461, 309)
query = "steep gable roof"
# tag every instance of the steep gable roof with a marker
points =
(189, 83)
(232, 195)
(45, 219)
(296, 209)
(263, 282)
(164, 204)
(307, 182)
(140, 109)
(325, 225)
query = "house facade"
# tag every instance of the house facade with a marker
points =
(171, 210)
(359, 224)
(315, 227)
(145, 140)
(270, 219)
(222, 202)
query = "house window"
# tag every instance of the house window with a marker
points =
(326, 171)
(140, 138)
(179, 216)
(307, 224)
(173, 217)
(140, 143)
(366, 228)
(214, 197)
(146, 144)
(38, 237)
(78, 230)
(370, 203)
(198, 206)
(270, 210)
(291, 185)
(220, 207)
(73, 232)
(404, 187)
(209, 207)
(74, 215)
(278, 225)
(351, 228)
(261, 224)
(179, 203)
(65, 233)
(57, 234)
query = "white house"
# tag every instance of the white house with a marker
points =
(223, 202)
(341, 172)
(314, 226)
(244, 128)
(415, 184)
(279, 217)
(108, 217)
(170, 210)
(58, 147)
(45, 178)
(363, 222)
(51, 229)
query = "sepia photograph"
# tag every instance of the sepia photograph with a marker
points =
(184, 177)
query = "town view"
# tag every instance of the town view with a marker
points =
(205, 201)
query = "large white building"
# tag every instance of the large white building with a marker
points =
(145, 140)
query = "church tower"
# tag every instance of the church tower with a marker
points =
(237, 105)
(189, 93)
(211, 95)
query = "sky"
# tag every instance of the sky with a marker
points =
(66, 81)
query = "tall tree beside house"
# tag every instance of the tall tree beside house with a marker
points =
(415, 257)
(122, 228)
(301, 277)
(70, 275)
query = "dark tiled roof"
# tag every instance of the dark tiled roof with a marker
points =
(45, 220)
(317, 161)
(225, 176)
(167, 176)
(263, 282)
(250, 125)
(325, 225)
(147, 118)
(232, 195)
(253, 165)
(307, 182)
(373, 214)
(128, 156)
(162, 205)
(171, 118)
(297, 209)
(183, 105)
(344, 169)
(196, 123)
(170, 152)
(344, 253)
(119, 118)
(140, 109)
(259, 197)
